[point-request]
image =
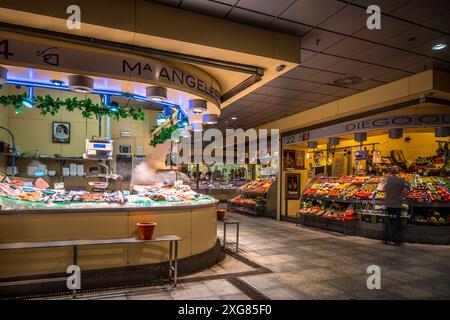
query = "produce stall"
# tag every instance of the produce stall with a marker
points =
(257, 197)
(36, 213)
(355, 204)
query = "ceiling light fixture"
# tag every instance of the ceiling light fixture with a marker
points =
(348, 81)
(79, 83)
(3, 75)
(210, 118)
(233, 118)
(198, 106)
(439, 46)
(156, 94)
(58, 83)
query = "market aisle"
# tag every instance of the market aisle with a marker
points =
(293, 262)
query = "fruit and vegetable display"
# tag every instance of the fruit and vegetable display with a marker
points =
(259, 185)
(330, 212)
(39, 193)
(424, 189)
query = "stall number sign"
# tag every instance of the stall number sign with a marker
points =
(299, 137)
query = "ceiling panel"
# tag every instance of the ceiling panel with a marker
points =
(377, 53)
(393, 76)
(295, 102)
(312, 12)
(421, 11)
(173, 3)
(421, 66)
(348, 20)
(273, 8)
(230, 2)
(289, 27)
(342, 48)
(309, 96)
(367, 84)
(306, 54)
(344, 92)
(253, 97)
(286, 93)
(441, 22)
(389, 27)
(319, 40)
(272, 99)
(386, 6)
(325, 77)
(293, 84)
(327, 89)
(402, 60)
(326, 99)
(348, 67)
(207, 7)
(412, 38)
(372, 72)
(300, 73)
(322, 61)
(249, 17)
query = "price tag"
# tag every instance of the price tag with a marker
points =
(59, 185)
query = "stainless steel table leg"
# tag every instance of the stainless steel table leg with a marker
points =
(175, 274)
(224, 236)
(237, 237)
(75, 262)
(170, 259)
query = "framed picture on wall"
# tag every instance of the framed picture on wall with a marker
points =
(294, 159)
(292, 186)
(60, 132)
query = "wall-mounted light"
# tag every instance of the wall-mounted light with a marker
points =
(312, 144)
(333, 141)
(29, 101)
(198, 106)
(3, 75)
(82, 84)
(210, 118)
(395, 133)
(156, 94)
(114, 106)
(360, 137)
(442, 132)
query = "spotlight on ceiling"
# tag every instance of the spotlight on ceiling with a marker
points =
(79, 83)
(57, 83)
(156, 94)
(233, 118)
(3, 75)
(198, 106)
(29, 101)
(439, 46)
(210, 118)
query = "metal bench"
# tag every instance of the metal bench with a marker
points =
(173, 253)
(227, 221)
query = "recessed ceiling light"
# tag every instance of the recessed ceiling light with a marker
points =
(439, 46)
(79, 83)
(233, 118)
(156, 94)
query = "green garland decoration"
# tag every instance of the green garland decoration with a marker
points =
(164, 135)
(49, 105)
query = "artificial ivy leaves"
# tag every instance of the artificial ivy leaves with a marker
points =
(49, 105)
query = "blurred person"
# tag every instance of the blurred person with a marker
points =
(394, 190)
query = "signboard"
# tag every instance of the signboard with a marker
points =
(403, 121)
(20, 52)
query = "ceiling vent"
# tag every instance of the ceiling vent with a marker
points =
(348, 81)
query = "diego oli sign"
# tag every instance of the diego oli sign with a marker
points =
(403, 121)
(18, 52)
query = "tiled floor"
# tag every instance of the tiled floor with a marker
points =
(300, 263)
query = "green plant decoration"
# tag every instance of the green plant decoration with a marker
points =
(49, 105)
(164, 135)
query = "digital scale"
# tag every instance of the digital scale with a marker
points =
(99, 149)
